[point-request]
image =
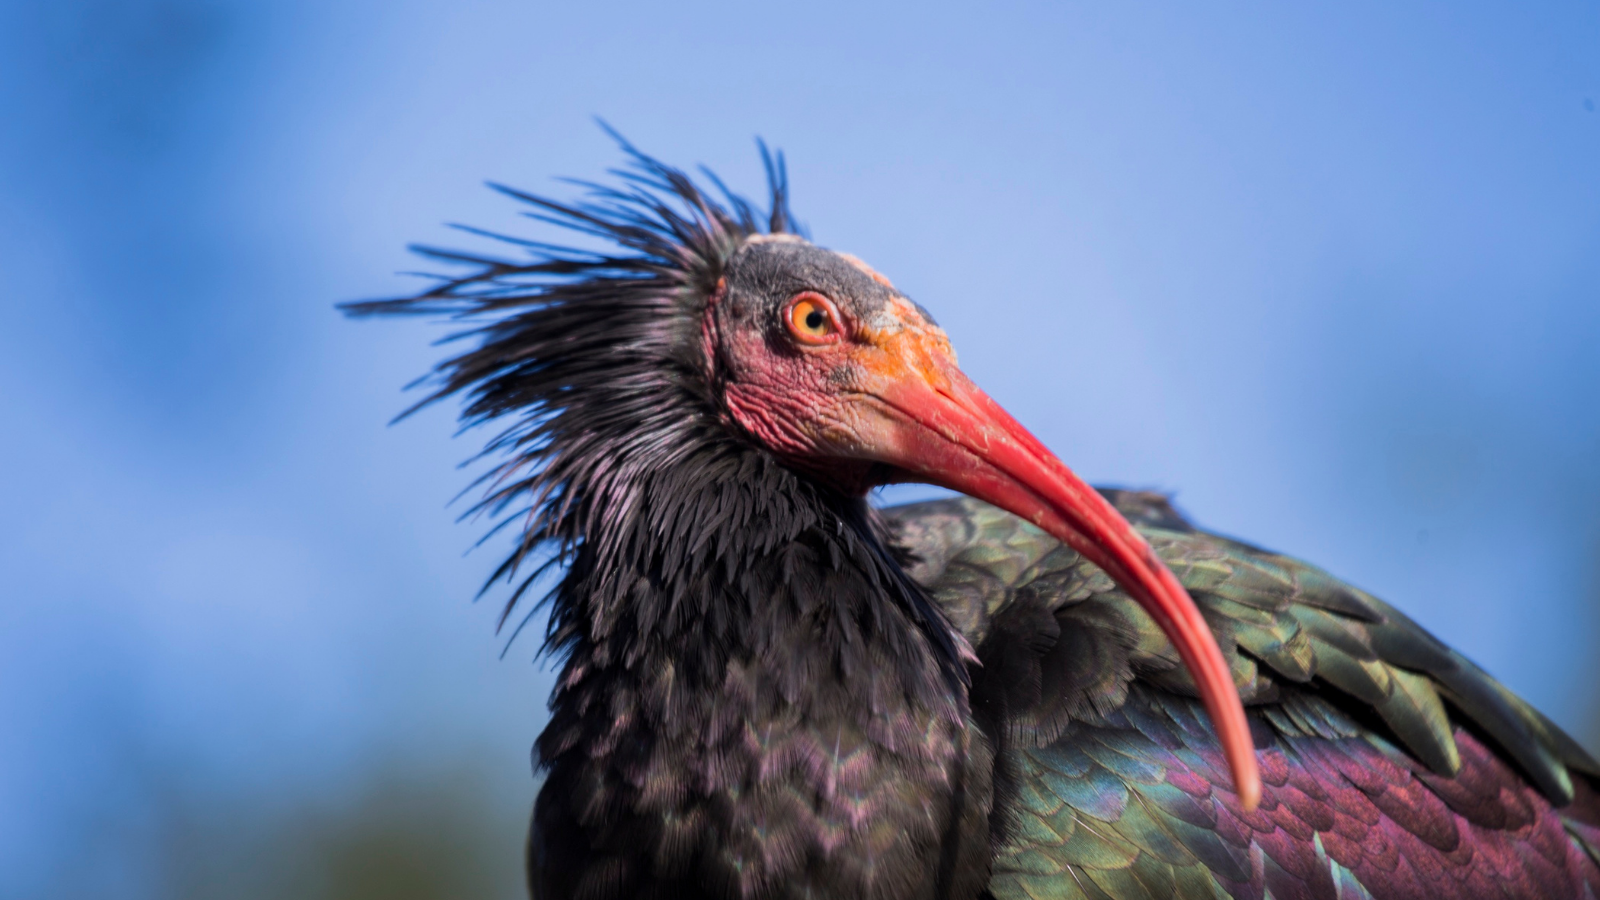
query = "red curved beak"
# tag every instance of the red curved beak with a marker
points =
(949, 433)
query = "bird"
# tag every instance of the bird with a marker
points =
(768, 687)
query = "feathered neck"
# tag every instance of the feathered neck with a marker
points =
(727, 555)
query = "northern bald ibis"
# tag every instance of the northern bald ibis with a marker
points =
(771, 689)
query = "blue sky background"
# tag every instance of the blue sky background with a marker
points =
(1329, 272)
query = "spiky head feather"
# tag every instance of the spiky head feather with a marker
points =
(597, 363)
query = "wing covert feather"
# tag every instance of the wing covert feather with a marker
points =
(1394, 766)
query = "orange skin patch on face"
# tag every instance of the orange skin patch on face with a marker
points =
(907, 344)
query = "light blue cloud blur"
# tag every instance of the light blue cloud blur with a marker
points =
(1329, 274)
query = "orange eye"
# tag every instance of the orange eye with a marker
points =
(812, 319)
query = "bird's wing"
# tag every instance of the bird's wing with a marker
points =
(1393, 766)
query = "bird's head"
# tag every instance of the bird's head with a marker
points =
(616, 364)
(817, 357)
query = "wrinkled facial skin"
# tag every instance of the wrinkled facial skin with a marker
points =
(820, 406)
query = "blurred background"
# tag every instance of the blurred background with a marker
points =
(1330, 274)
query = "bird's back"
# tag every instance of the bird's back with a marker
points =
(1393, 766)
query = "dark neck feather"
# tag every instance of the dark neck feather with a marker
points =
(752, 689)
(727, 557)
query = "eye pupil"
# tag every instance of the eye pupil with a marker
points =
(811, 319)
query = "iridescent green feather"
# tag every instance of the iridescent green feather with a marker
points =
(1096, 815)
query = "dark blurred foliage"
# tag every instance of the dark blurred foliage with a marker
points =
(408, 833)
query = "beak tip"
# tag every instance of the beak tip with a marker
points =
(1250, 792)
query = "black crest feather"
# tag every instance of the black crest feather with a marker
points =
(586, 350)
(614, 458)
(592, 355)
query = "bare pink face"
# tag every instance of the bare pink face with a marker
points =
(824, 363)
(816, 387)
